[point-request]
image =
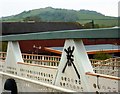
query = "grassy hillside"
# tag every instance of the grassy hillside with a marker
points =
(51, 14)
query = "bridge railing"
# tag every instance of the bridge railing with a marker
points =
(41, 59)
(110, 66)
(36, 86)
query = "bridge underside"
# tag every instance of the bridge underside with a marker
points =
(108, 33)
(60, 42)
(57, 38)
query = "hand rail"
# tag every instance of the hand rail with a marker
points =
(103, 76)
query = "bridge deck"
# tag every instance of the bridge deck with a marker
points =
(107, 33)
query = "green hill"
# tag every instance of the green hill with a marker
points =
(50, 14)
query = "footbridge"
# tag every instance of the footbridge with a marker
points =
(72, 72)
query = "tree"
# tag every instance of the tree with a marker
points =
(101, 56)
(3, 46)
(32, 18)
(91, 25)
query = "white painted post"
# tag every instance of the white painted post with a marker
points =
(69, 79)
(13, 55)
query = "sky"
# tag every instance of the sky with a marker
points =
(12, 7)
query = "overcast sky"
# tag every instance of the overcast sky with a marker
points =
(12, 7)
